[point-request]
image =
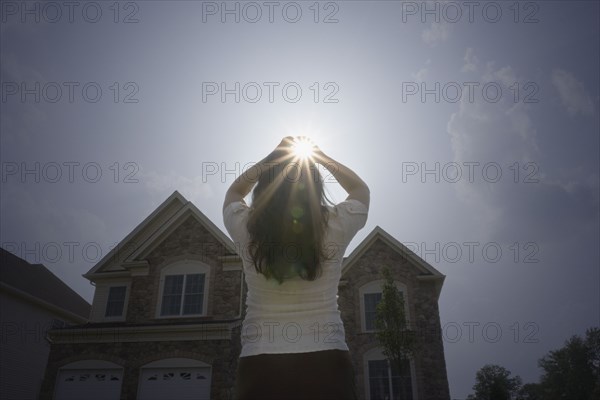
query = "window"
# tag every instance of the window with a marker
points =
(183, 294)
(371, 300)
(116, 301)
(386, 383)
(370, 295)
(183, 290)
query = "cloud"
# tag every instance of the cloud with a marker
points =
(471, 61)
(421, 74)
(525, 203)
(165, 183)
(493, 130)
(572, 93)
(438, 32)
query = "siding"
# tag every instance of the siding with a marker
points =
(99, 303)
(101, 298)
(23, 346)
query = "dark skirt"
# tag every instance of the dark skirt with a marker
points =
(327, 374)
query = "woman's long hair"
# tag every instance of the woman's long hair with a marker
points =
(288, 220)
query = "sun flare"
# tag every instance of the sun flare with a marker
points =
(303, 148)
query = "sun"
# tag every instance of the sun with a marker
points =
(303, 147)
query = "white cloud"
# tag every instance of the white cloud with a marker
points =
(191, 188)
(504, 75)
(471, 61)
(505, 133)
(572, 93)
(421, 74)
(482, 124)
(437, 33)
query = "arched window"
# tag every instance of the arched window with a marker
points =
(370, 295)
(183, 290)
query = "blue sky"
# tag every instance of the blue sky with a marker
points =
(526, 146)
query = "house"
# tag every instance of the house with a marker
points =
(32, 301)
(169, 302)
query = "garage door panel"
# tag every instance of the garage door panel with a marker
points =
(170, 383)
(98, 384)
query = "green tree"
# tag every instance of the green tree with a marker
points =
(573, 371)
(398, 342)
(493, 382)
(530, 391)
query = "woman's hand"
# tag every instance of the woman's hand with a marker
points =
(286, 143)
(246, 181)
(348, 179)
(280, 153)
(316, 153)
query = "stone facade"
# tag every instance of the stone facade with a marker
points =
(191, 240)
(220, 354)
(429, 364)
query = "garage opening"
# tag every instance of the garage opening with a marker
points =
(90, 380)
(175, 378)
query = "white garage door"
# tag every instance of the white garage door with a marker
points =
(180, 383)
(89, 384)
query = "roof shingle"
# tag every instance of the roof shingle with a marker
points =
(38, 281)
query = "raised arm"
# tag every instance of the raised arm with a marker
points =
(355, 187)
(243, 184)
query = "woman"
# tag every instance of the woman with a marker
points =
(292, 246)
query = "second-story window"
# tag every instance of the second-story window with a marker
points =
(116, 301)
(370, 294)
(183, 294)
(371, 300)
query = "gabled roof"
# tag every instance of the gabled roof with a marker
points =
(37, 283)
(188, 210)
(176, 209)
(152, 231)
(426, 270)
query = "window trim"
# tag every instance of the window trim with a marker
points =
(376, 354)
(185, 267)
(376, 286)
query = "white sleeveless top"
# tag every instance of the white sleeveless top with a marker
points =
(297, 316)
